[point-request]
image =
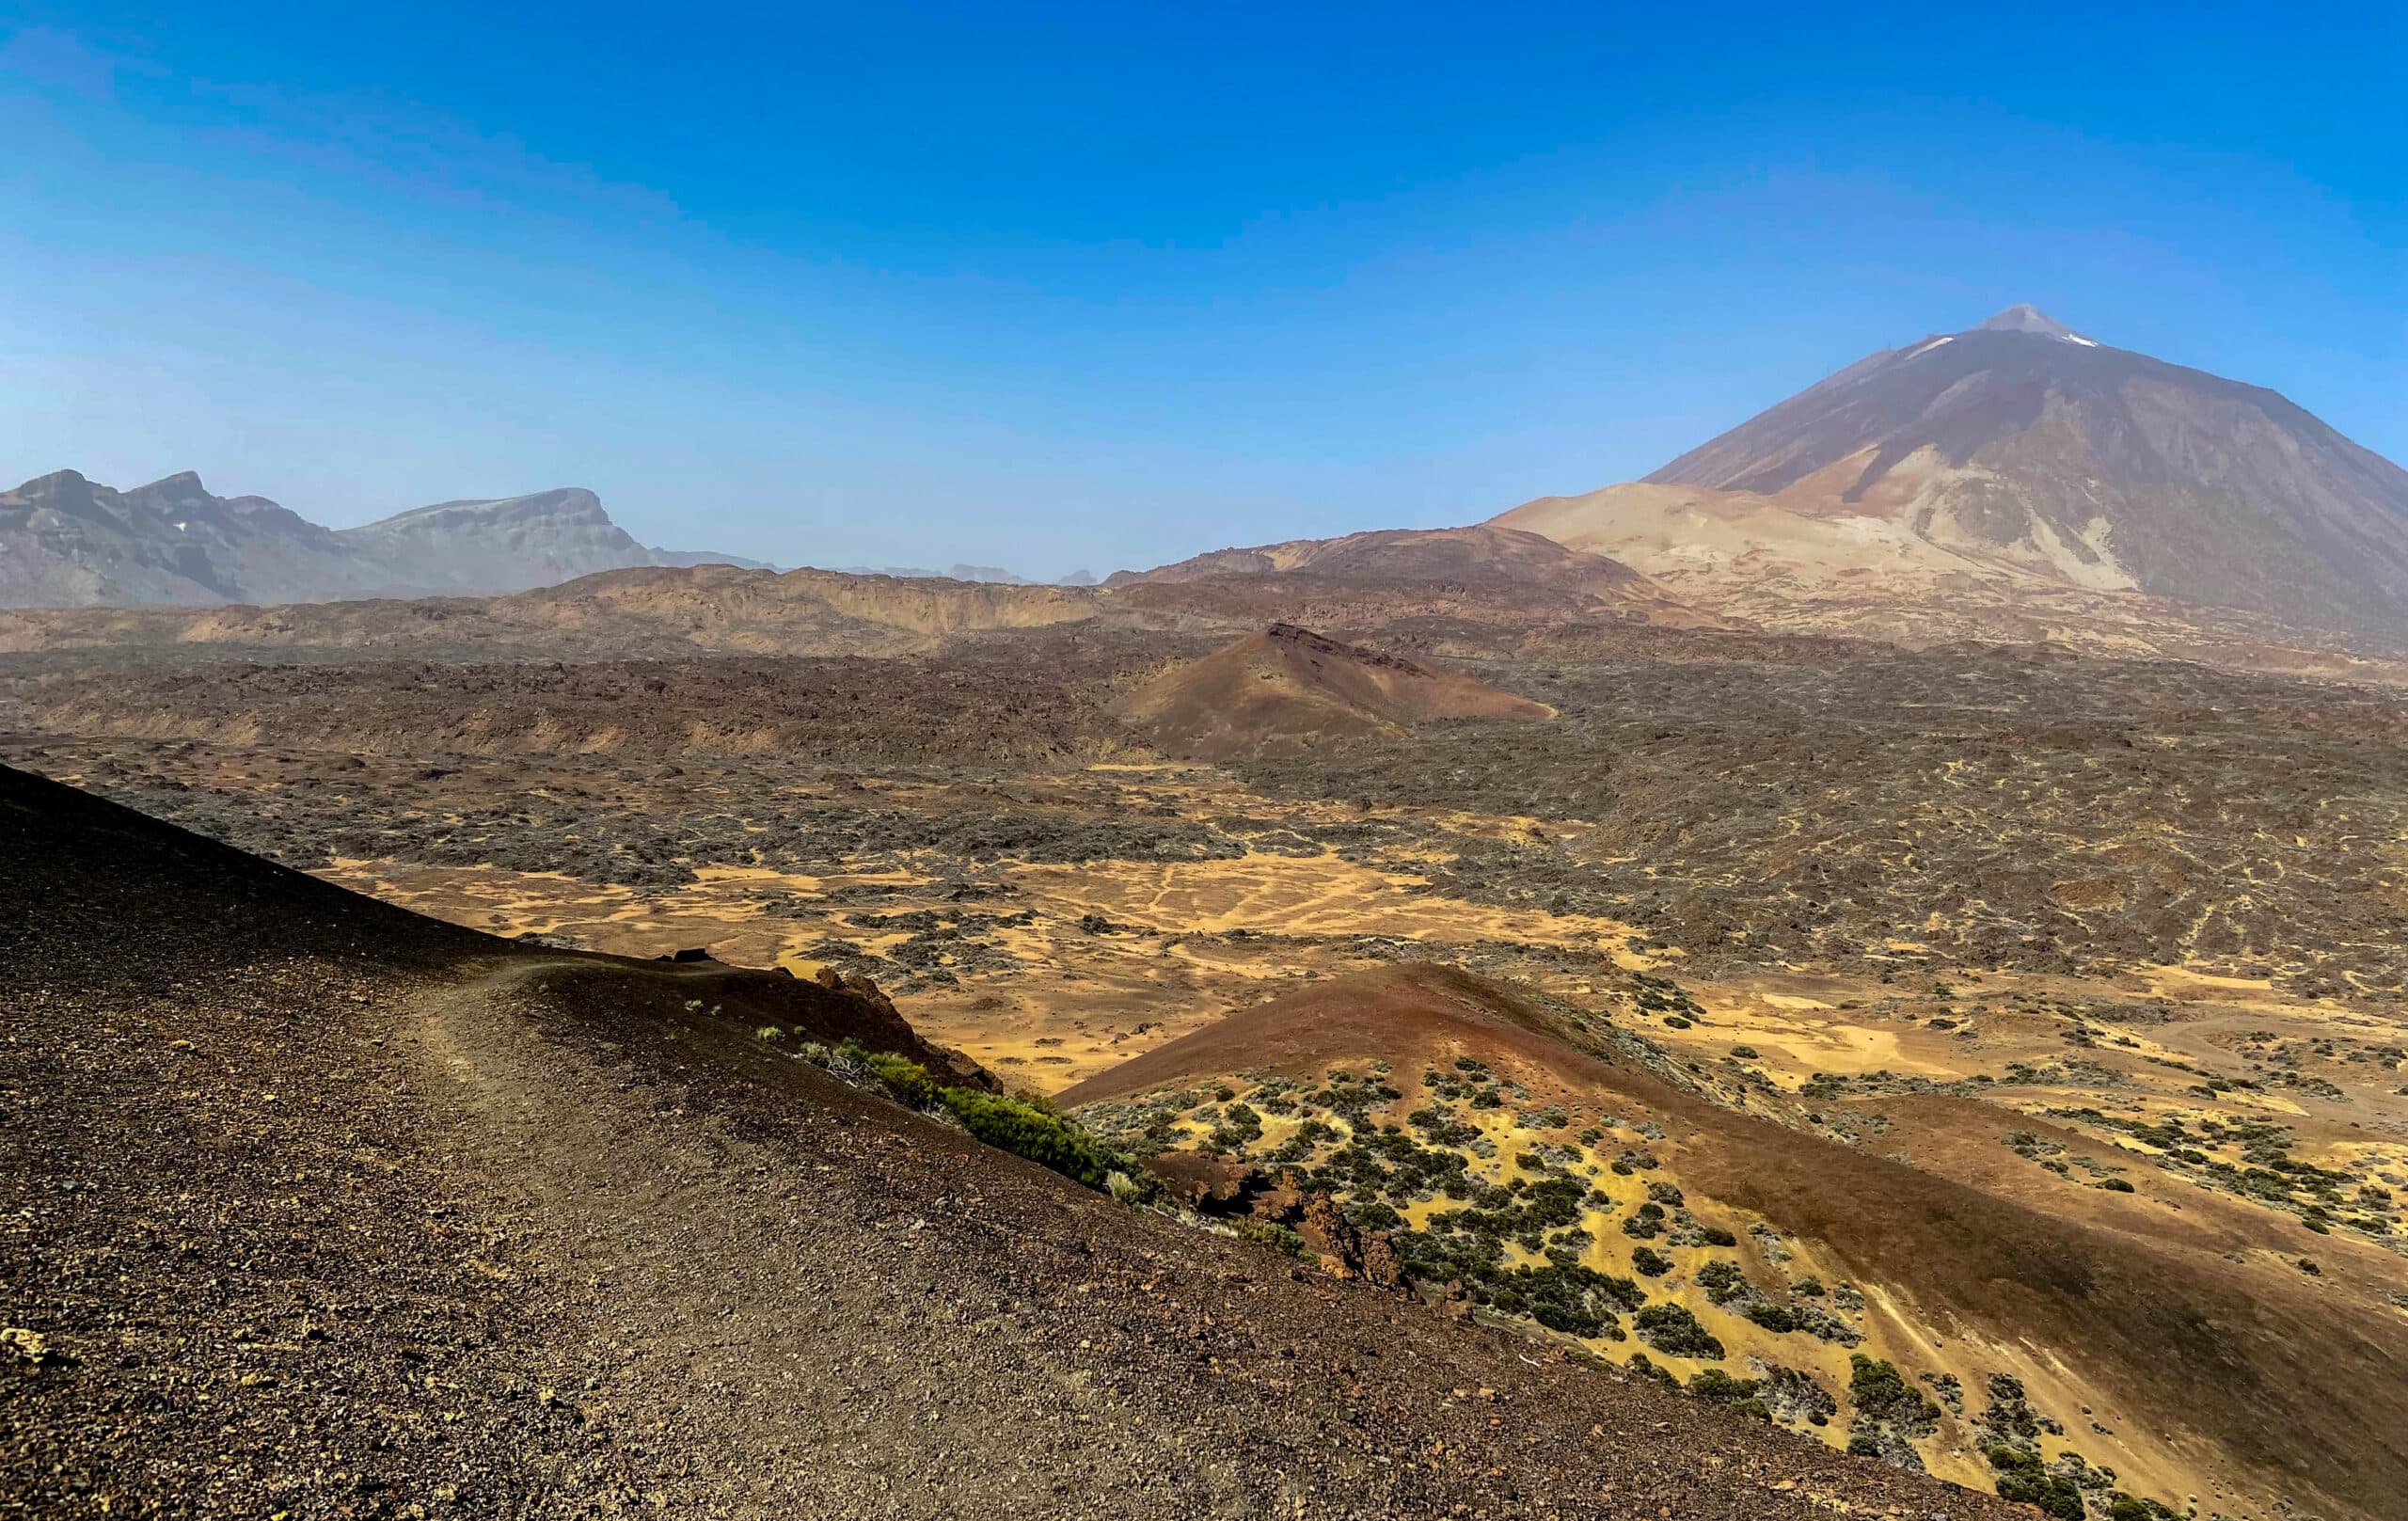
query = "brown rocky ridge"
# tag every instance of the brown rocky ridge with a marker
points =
(1287, 687)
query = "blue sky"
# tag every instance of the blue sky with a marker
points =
(1105, 285)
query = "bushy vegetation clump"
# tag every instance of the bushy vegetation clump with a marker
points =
(906, 1079)
(1565, 1296)
(1026, 1125)
(1723, 1281)
(1739, 1393)
(1441, 1128)
(1880, 1394)
(1271, 1234)
(1670, 1328)
(2019, 1475)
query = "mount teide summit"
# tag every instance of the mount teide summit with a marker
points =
(2020, 456)
(68, 542)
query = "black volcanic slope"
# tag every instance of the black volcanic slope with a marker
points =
(315, 1207)
(2211, 491)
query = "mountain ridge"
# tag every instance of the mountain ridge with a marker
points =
(67, 541)
(1289, 686)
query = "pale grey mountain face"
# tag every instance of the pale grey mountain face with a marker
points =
(992, 574)
(2027, 437)
(707, 557)
(2025, 318)
(67, 542)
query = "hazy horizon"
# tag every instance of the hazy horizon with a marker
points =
(1100, 289)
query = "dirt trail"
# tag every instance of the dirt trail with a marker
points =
(718, 1324)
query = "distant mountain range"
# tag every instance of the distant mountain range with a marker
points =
(987, 575)
(2018, 479)
(68, 542)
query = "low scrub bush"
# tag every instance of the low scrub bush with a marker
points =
(2018, 1476)
(1879, 1393)
(1032, 1128)
(1274, 1235)
(1739, 1393)
(1670, 1328)
(906, 1079)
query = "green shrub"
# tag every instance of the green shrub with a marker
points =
(1717, 1236)
(1374, 1215)
(1879, 1393)
(1721, 1281)
(2116, 1186)
(1670, 1328)
(1031, 1127)
(1714, 1384)
(906, 1079)
(2021, 1477)
(1274, 1235)
(1651, 1262)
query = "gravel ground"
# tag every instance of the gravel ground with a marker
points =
(318, 1210)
